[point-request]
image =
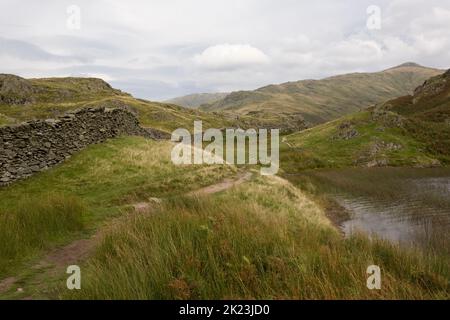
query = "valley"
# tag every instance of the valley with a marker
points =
(299, 104)
(364, 184)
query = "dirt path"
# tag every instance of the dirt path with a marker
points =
(284, 140)
(211, 189)
(222, 186)
(68, 255)
(7, 283)
(54, 264)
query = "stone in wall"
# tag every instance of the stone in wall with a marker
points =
(37, 145)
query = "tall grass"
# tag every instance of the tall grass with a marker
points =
(104, 178)
(264, 240)
(34, 223)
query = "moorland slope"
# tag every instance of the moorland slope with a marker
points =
(319, 101)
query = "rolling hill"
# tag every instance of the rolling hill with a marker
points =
(26, 99)
(197, 99)
(291, 106)
(319, 101)
(125, 213)
(413, 130)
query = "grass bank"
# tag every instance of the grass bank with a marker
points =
(262, 240)
(95, 184)
(31, 225)
(354, 140)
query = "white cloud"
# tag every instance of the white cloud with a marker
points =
(230, 56)
(355, 51)
(156, 49)
(102, 76)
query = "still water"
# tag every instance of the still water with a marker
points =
(419, 214)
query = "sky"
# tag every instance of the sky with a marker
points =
(159, 49)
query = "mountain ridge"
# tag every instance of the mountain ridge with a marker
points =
(412, 130)
(195, 100)
(319, 101)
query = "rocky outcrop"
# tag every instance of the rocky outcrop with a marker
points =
(15, 90)
(37, 145)
(377, 154)
(383, 116)
(345, 131)
(432, 87)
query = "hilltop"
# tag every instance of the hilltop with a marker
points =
(19, 91)
(411, 130)
(27, 99)
(319, 101)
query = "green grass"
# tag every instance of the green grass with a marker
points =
(320, 147)
(263, 240)
(104, 178)
(34, 223)
(52, 97)
(406, 131)
(4, 120)
(165, 117)
(50, 90)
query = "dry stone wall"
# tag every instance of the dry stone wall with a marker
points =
(37, 145)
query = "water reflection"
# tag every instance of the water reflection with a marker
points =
(418, 215)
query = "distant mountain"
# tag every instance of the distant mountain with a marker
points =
(197, 99)
(412, 130)
(318, 101)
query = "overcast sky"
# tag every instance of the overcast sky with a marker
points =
(158, 49)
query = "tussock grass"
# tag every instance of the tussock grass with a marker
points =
(262, 240)
(116, 173)
(106, 178)
(34, 223)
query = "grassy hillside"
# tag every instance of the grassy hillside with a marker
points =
(134, 223)
(4, 120)
(95, 184)
(15, 90)
(411, 130)
(290, 106)
(262, 239)
(26, 99)
(318, 101)
(197, 99)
